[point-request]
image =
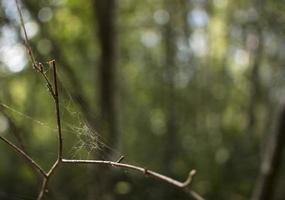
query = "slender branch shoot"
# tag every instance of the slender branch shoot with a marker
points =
(43, 189)
(26, 39)
(33, 163)
(58, 120)
(145, 171)
(120, 159)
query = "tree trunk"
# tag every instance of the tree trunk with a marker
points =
(271, 162)
(171, 146)
(105, 15)
(255, 81)
(105, 20)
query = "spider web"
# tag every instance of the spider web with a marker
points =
(88, 139)
(88, 142)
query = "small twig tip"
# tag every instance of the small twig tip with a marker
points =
(189, 178)
(192, 172)
(51, 62)
(120, 159)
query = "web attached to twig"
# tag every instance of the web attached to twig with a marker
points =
(87, 139)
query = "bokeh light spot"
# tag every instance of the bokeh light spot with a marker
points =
(45, 14)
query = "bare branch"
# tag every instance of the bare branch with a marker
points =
(14, 129)
(56, 98)
(26, 39)
(25, 156)
(195, 195)
(43, 189)
(54, 93)
(52, 169)
(145, 171)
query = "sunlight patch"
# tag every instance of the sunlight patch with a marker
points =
(198, 43)
(14, 57)
(45, 14)
(198, 18)
(32, 29)
(161, 17)
(150, 39)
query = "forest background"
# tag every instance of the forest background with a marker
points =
(172, 85)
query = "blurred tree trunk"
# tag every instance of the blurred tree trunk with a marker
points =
(105, 16)
(185, 7)
(255, 87)
(256, 49)
(271, 163)
(171, 143)
(105, 11)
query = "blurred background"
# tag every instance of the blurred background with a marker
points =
(172, 85)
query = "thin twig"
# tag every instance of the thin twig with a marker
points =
(56, 98)
(29, 49)
(44, 185)
(43, 189)
(36, 65)
(120, 159)
(145, 171)
(54, 93)
(195, 195)
(14, 128)
(25, 156)
(52, 169)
